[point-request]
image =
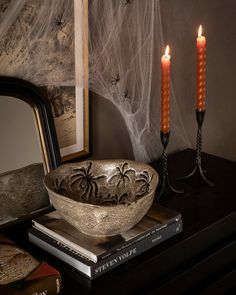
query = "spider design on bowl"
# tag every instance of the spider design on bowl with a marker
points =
(86, 181)
(123, 174)
(110, 200)
(145, 179)
(61, 186)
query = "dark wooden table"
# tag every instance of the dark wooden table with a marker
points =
(201, 260)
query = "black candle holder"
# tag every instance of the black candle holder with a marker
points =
(198, 166)
(165, 181)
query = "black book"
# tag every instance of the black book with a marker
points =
(99, 248)
(91, 269)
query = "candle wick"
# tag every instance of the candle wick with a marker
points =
(200, 31)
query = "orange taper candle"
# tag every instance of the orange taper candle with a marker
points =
(201, 71)
(165, 92)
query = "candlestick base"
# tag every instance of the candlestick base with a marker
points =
(198, 166)
(165, 181)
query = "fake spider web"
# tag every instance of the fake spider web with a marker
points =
(36, 37)
(126, 45)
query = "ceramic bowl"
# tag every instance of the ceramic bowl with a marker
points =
(102, 197)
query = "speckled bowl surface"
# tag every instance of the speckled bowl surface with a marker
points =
(102, 197)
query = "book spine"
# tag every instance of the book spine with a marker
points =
(91, 269)
(64, 253)
(137, 239)
(33, 232)
(49, 286)
(135, 249)
(71, 244)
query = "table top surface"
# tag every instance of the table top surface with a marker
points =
(201, 207)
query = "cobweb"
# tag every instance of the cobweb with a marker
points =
(37, 41)
(126, 45)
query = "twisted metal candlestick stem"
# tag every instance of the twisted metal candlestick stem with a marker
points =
(199, 145)
(165, 182)
(164, 163)
(198, 166)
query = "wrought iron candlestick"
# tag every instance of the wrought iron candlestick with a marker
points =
(198, 166)
(165, 181)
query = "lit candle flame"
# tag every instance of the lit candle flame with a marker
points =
(200, 31)
(167, 50)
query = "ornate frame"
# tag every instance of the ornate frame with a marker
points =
(81, 8)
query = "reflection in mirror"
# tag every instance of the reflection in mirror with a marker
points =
(21, 162)
(18, 135)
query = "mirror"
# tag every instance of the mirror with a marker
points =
(28, 150)
(18, 135)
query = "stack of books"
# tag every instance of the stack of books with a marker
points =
(93, 256)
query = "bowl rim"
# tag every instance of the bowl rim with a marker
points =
(102, 161)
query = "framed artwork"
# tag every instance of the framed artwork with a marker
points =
(46, 43)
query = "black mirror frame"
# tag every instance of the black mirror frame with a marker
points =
(31, 94)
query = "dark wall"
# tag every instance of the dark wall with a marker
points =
(110, 138)
(180, 21)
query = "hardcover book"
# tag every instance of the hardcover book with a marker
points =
(98, 248)
(22, 274)
(92, 269)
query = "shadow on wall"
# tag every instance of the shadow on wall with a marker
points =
(110, 138)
